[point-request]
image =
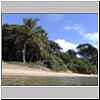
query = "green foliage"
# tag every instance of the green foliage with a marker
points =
(89, 52)
(55, 63)
(65, 57)
(29, 43)
(82, 66)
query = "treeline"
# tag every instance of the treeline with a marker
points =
(29, 43)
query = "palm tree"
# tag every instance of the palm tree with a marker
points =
(36, 35)
(25, 34)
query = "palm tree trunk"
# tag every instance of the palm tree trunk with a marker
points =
(23, 53)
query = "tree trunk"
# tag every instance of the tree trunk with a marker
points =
(23, 53)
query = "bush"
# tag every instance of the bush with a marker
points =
(55, 63)
(65, 57)
(82, 66)
(93, 69)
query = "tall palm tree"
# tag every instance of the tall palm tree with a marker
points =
(25, 34)
(35, 34)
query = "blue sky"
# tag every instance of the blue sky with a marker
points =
(68, 30)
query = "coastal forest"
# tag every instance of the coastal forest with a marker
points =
(29, 43)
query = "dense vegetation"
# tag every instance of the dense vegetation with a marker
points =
(29, 43)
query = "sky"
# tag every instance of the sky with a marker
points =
(68, 30)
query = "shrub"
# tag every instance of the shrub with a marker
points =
(82, 66)
(55, 63)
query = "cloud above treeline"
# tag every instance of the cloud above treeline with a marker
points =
(91, 37)
(66, 45)
(75, 27)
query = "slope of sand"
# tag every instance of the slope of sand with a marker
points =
(15, 69)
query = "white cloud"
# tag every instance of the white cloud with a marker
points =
(89, 37)
(76, 27)
(66, 45)
(92, 37)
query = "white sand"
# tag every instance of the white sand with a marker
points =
(14, 69)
